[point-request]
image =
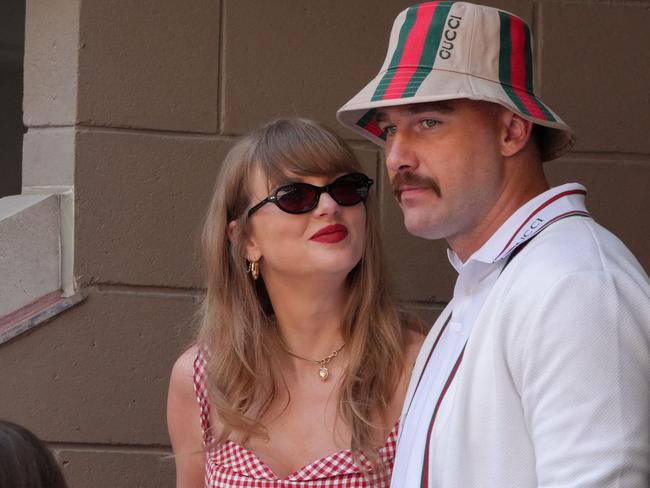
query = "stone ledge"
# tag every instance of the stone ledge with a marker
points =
(36, 313)
(35, 259)
(30, 249)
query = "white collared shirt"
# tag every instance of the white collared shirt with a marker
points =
(443, 349)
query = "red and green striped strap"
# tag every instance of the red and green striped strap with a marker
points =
(426, 364)
(424, 480)
(537, 211)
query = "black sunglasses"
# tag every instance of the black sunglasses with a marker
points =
(298, 198)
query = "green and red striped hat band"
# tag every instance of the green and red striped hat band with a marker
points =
(446, 50)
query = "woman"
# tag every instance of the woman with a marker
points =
(302, 360)
(25, 461)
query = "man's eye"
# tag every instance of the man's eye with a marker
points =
(429, 123)
(389, 130)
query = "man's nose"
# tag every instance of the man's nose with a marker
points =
(399, 154)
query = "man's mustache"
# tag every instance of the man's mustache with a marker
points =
(411, 179)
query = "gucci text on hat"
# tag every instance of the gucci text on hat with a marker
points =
(447, 50)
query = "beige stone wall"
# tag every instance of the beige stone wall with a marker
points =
(135, 104)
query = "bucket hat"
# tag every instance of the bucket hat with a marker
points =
(446, 50)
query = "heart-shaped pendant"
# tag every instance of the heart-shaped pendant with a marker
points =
(323, 373)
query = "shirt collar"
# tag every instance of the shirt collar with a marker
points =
(526, 222)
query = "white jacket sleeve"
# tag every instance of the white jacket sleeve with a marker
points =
(583, 374)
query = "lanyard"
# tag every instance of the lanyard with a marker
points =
(544, 215)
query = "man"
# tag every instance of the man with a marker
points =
(537, 374)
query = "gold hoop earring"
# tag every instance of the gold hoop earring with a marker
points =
(254, 268)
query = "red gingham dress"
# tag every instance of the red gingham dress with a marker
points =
(233, 466)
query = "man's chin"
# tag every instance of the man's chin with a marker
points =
(422, 228)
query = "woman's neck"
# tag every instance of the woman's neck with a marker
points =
(309, 315)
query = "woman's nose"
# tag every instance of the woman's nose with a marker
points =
(326, 205)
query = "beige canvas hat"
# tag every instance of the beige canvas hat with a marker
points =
(446, 50)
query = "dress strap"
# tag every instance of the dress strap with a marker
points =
(388, 450)
(201, 389)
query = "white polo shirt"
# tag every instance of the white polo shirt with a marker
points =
(442, 355)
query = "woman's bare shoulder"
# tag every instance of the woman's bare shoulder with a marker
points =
(184, 365)
(183, 402)
(183, 423)
(182, 394)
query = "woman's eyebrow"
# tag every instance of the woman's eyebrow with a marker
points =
(284, 181)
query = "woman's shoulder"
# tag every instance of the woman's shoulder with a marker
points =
(185, 432)
(181, 399)
(189, 391)
(183, 370)
(181, 381)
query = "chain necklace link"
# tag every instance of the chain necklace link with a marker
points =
(323, 372)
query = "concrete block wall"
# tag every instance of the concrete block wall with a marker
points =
(136, 105)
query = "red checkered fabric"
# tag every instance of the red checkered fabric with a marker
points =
(233, 466)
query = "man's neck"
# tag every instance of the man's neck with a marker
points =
(516, 192)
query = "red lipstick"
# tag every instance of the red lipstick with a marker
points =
(330, 234)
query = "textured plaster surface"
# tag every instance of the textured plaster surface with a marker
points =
(51, 55)
(48, 157)
(98, 373)
(596, 72)
(154, 65)
(140, 204)
(106, 468)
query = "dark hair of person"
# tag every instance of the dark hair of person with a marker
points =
(25, 461)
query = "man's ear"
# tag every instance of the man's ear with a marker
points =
(516, 132)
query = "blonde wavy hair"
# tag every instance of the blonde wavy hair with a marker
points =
(237, 322)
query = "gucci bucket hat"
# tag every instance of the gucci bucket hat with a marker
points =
(446, 50)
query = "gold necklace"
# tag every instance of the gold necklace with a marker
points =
(323, 372)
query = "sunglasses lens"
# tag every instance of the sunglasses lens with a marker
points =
(296, 198)
(350, 189)
(300, 198)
